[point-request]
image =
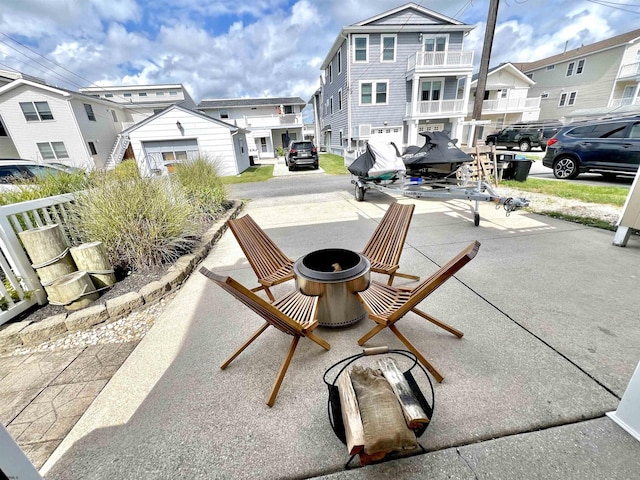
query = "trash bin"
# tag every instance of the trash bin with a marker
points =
(522, 166)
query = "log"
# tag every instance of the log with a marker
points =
(414, 415)
(46, 247)
(74, 291)
(92, 257)
(354, 432)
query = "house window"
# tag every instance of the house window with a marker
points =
(388, 48)
(544, 95)
(339, 62)
(329, 74)
(551, 67)
(567, 99)
(108, 95)
(3, 132)
(142, 94)
(339, 100)
(114, 116)
(36, 111)
(373, 93)
(436, 43)
(580, 67)
(486, 95)
(288, 109)
(127, 94)
(331, 106)
(172, 93)
(503, 93)
(570, 68)
(224, 113)
(89, 109)
(52, 150)
(159, 94)
(92, 148)
(341, 139)
(360, 48)
(430, 90)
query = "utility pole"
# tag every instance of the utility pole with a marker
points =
(484, 64)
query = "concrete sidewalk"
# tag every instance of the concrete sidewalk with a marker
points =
(549, 311)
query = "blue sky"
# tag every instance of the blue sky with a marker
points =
(228, 49)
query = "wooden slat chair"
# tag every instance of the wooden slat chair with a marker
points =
(269, 263)
(386, 304)
(294, 314)
(385, 245)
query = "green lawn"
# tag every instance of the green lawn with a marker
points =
(586, 193)
(258, 173)
(333, 164)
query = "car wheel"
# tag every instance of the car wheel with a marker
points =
(315, 166)
(490, 143)
(525, 145)
(292, 167)
(359, 193)
(565, 168)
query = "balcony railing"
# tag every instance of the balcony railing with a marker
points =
(436, 107)
(621, 102)
(428, 60)
(630, 70)
(273, 120)
(509, 105)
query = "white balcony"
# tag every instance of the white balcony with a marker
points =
(259, 121)
(508, 105)
(630, 70)
(622, 102)
(425, 61)
(436, 107)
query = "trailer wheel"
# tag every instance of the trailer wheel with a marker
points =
(359, 193)
(476, 219)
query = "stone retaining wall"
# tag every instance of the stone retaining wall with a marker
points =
(29, 333)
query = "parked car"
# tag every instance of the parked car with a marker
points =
(524, 135)
(609, 147)
(301, 153)
(16, 171)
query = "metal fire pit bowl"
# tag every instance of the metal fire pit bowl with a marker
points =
(335, 275)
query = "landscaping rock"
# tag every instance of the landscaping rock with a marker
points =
(10, 334)
(87, 317)
(154, 291)
(174, 278)
(39, 332)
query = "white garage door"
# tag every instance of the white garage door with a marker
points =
(161, 154)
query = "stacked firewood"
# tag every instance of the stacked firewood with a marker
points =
(379, 411)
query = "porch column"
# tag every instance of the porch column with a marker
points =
(467, 93)
(415, 85)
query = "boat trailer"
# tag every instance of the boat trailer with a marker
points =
(444, 189)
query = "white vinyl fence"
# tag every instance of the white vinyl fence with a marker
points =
(20, 287)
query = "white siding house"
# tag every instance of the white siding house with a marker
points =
(46, 123)
(271, 121)
(598, 79)
(178, 134)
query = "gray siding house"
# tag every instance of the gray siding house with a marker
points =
(598, 79)
(393, 76)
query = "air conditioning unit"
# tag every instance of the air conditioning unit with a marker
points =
(364, 131)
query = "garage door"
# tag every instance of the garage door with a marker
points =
(160, 154)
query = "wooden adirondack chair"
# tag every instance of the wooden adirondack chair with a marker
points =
(294, 314)
(386, 304)
(269, 263)
(385, 245)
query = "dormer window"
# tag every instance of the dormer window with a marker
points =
(36, 111)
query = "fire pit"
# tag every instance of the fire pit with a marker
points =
(335, 275)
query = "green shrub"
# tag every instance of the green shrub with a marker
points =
(199, 180)
(142, 222)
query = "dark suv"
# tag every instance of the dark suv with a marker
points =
(301, 153)
(608, 147)
(525, 135)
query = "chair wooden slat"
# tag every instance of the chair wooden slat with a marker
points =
(387, 304)
(294, 314)
(384, 248)
(269, 263)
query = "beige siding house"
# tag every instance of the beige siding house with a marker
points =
(599, 79)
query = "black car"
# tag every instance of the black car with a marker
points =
(302, 153)
(609, 147)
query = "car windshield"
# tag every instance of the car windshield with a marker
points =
(302, 145)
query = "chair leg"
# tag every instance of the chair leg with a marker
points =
(415, 351)
(368, 336)
(283, 370)
(406, 275)
(244, 345)
(266, 290)
(437, 322)
(319, 341)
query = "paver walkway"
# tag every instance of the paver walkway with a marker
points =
(44, 394)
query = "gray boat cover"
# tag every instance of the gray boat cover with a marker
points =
(437, 149)
(379, 158)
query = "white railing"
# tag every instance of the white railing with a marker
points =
(458, 58)
(436, 107)
(117, 152)
(18, 274)
(620, 102)
(630, 70)
(273, 120)
(508, 105)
